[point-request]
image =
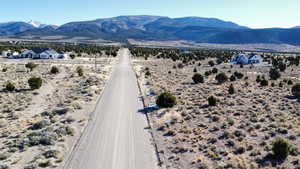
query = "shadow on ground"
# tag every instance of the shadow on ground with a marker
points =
(269, 159)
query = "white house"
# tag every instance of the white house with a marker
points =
(40, 53)
(49, 54)
(246, 59)
(27, 54)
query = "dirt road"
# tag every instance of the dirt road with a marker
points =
(116, 137)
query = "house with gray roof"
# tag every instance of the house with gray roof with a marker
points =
(40, 53)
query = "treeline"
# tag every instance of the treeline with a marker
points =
(78, 49)
(185, 56)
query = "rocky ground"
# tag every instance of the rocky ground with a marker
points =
(38, 128)
(237, 133)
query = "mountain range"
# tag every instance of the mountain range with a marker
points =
(157, 28)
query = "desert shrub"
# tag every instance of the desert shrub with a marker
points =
(41, 138)
(51, 154)
(198, 78)
(212, 101)
(231, 89)
(238, 75)
(31, 66)
(290, 82)
(264, 82)
(241, 66)
(64, 131)
(221, 78)
(72, 56)
(211, 63)
(70, 119)
(258, 79)
(273, 84)
(35, 83)
(281, 66)
(232, 78)
(45, 164)
(214, 70)
(4, 69)
(274, 74)
(280, 84)
(60, 111)
(9, 86)
(54, 70)
(147, 73)
(180, 65)
(195, 70)
(219, 61)
(40, 124)
(207, 73)
(281, 148)
(70, 131)
(166, 100)
(296, 90)
(169, 133)
(79, 71)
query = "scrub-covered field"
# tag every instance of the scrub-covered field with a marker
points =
(38, 128)
(239, 131)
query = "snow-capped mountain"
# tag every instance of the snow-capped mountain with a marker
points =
(143, 27)
(37, 24)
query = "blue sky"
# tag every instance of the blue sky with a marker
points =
(252, 13)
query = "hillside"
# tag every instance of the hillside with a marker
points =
(157, 28)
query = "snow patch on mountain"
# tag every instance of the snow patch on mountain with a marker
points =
(37, 24)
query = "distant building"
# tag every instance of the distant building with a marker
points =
(62, 55)
(48, 54)
(13, 55)
(246, 59)
(40, 53)
(6, 53)
(27, 54)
